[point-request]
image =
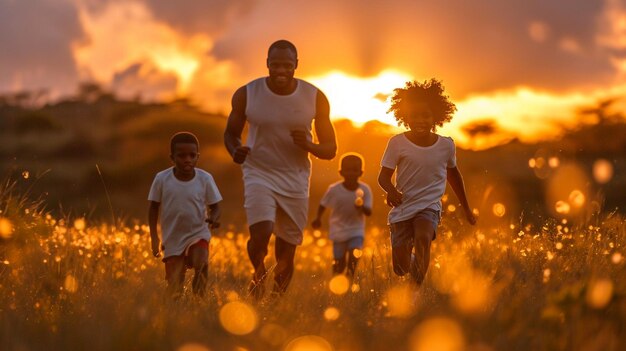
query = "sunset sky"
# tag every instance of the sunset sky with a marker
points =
(528, 65)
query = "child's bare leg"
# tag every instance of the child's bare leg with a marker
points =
(199, 257)
(175, 275)
(401, 258)
(285, 253)
(339, 265)
(423, 238)
(352, 262)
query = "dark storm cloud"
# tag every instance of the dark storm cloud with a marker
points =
(35, 45)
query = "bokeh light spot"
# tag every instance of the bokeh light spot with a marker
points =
(602, 171)
(6, 228)
(71, 284)
(599, 293)
(339, 284)
(437, 334)
(331, 314)
(238, 318)
(309, 343)
(401, 301)
(499, 209)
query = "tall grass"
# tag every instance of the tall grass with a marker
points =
(68, 284)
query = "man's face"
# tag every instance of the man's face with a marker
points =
(282, 64)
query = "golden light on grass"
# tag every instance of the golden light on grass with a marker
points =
(577, 198)
(71, 284)
(401, 301)
(499, 209)
(474, 294)
(193, 347)
(238, 318)
(331, 314)
(360, 99)
(80, 224)
(339, 284)
(273, 334)
(602, 171)
(437, 334)
(6, 228)
(562, 207)
(309, 343)
(599, 293)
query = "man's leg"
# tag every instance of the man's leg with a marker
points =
(424, 231)
(285, 253)
(199, 259)
(260, 234)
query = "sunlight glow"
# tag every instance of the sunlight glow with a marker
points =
(360, 99)
(599, 293)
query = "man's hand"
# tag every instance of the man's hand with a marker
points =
(240, 154)
(470, 216)
(299, 138)
(317, 223)
(394, 198)
(214, 223)
(156, 248)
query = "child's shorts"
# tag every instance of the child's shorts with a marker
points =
(173, 263)
(402, 232)
(341, 247)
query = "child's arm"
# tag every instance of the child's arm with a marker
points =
(394, 197)
(214, 213)
(153, 219)
(317, 222)
(456, 182)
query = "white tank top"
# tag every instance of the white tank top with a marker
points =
(274, 160)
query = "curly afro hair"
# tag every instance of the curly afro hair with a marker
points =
(429, 92)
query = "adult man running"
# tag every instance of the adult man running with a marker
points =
(280, 111)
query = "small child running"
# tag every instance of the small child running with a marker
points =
(188, 196)
(350, 201)
(424, 161)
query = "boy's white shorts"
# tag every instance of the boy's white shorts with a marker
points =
(288, 214)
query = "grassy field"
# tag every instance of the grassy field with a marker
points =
(69, 284)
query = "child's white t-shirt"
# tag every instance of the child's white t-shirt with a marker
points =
(183, 208)
(421, 173)
(346, 221)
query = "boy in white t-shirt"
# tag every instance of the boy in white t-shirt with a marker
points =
(189, 199)
(350, 201)
(424, 161)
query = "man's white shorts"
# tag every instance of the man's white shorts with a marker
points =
(288, 214)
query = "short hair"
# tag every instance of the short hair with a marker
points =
(183, 138)
(282, 44)
(429, 92)
(351, 156)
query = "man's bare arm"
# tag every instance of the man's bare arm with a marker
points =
(326, 148)
(234, 127)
